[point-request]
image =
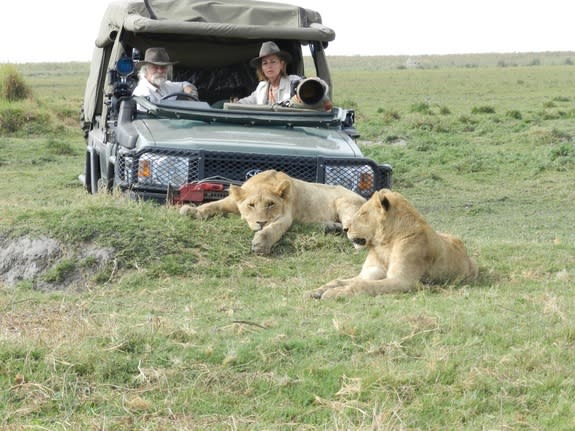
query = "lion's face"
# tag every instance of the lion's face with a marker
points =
(366, 224)
(261, 206)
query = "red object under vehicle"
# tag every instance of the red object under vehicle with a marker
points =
(197, 193)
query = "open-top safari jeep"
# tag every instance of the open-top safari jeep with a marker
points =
(184, 150)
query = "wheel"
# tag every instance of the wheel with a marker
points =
(180, 95)
(87, 180)
(93, 174)
(111, 177)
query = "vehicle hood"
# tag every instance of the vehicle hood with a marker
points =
(284, 140)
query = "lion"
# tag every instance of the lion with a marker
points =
(271, 201)
(403, 250)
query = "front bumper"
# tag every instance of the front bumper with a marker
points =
(152, 172)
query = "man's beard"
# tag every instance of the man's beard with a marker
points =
(158, 79)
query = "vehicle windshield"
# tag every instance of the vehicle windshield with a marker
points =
(242, 113)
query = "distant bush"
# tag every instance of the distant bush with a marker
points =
(563, 150)
(563, 156)
(560, 135)
(12, 85)
(561, 99)
(468, 123)
(24, 118)
(390, 116)
(22, 114)
(444, 110)
(12, 120)
(483, 110)
(422, 108)
(549, 115)
(427, 124)
(514, 113)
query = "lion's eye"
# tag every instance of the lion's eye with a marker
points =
(270, 205)
(251, 205)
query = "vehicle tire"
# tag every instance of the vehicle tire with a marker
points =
(87, 174)
(111, 176)
(93, 173)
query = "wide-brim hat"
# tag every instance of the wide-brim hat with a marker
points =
(270, 48)
(156, 56)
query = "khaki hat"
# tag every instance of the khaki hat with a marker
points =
(157, 56)
(270, 48)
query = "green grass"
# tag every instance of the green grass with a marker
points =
(186, 329)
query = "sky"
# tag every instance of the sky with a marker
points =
(363, 27)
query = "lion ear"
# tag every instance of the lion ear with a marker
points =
(237, 193)
(283, 189)
(385, 203)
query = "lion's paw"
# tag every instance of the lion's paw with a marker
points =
(336, 292)
(316, 294)
(260, 244)
(325, 290)
(189, 210)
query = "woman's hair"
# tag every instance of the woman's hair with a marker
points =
(260, 72)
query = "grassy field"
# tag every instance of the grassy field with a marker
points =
(185, 329)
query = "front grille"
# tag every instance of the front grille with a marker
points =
(154, 170)
(239, 167)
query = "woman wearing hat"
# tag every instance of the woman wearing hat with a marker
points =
(271, 68)
(275, 84)
(153, 77)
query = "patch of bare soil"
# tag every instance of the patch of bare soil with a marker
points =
(49, 264)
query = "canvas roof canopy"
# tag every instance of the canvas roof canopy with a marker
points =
(233, 19)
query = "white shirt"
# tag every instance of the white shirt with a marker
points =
(147, 89)
(260, 95)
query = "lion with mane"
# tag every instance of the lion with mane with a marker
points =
(403, 250)
(271, 201)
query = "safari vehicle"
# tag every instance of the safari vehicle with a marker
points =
(191, 151)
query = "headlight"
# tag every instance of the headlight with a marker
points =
(360, 179)
(161, 170)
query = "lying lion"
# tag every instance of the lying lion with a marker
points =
(271, 201)
(403, 250)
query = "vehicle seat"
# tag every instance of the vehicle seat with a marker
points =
(222, 83)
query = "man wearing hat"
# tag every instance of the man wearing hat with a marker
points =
(275, 83)
(153, 77)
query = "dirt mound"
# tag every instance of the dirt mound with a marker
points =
(49, 264)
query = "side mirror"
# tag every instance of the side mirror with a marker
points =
(125, 66)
